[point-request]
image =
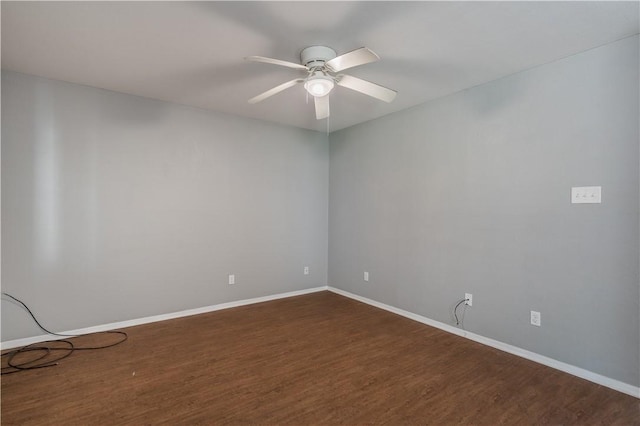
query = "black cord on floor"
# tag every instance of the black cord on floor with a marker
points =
(48, 347)
(455, 313)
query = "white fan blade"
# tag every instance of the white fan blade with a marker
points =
(275, 90)
(367, 87)
(322, 107)
(352, 59)
(275, 62)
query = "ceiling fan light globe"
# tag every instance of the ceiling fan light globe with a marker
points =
(319, 87)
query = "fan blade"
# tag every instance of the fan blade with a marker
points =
(275, 62)
(367, 87)
(322, 107)
(352, 59)
(275, 90)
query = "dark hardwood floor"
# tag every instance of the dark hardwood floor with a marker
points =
(313, 359)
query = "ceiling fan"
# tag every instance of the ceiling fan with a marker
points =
(322, 66)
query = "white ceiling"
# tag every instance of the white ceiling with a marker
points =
(192, 52)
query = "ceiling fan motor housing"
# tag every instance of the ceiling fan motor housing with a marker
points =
(316, 56)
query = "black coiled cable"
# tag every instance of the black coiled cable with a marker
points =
(49, 347)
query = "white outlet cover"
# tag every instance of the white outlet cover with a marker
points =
(535, 318)
(366, 276)
(586, 195)
(469, 299)
(306, 270)
(232, 279)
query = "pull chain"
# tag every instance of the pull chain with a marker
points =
(328, 118)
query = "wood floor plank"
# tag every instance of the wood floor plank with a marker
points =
(313, 359)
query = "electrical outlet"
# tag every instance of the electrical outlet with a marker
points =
(468, 297)
(232, 279)
(366, 276)
(306, 270)
(535, 318)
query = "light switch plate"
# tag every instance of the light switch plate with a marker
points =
(586, 195)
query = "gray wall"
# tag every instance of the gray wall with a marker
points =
(116, 207)
(471, 193)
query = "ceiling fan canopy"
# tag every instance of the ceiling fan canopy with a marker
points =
(322, 66)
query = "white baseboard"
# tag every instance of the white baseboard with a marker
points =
(532, 356)
(130, 323)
